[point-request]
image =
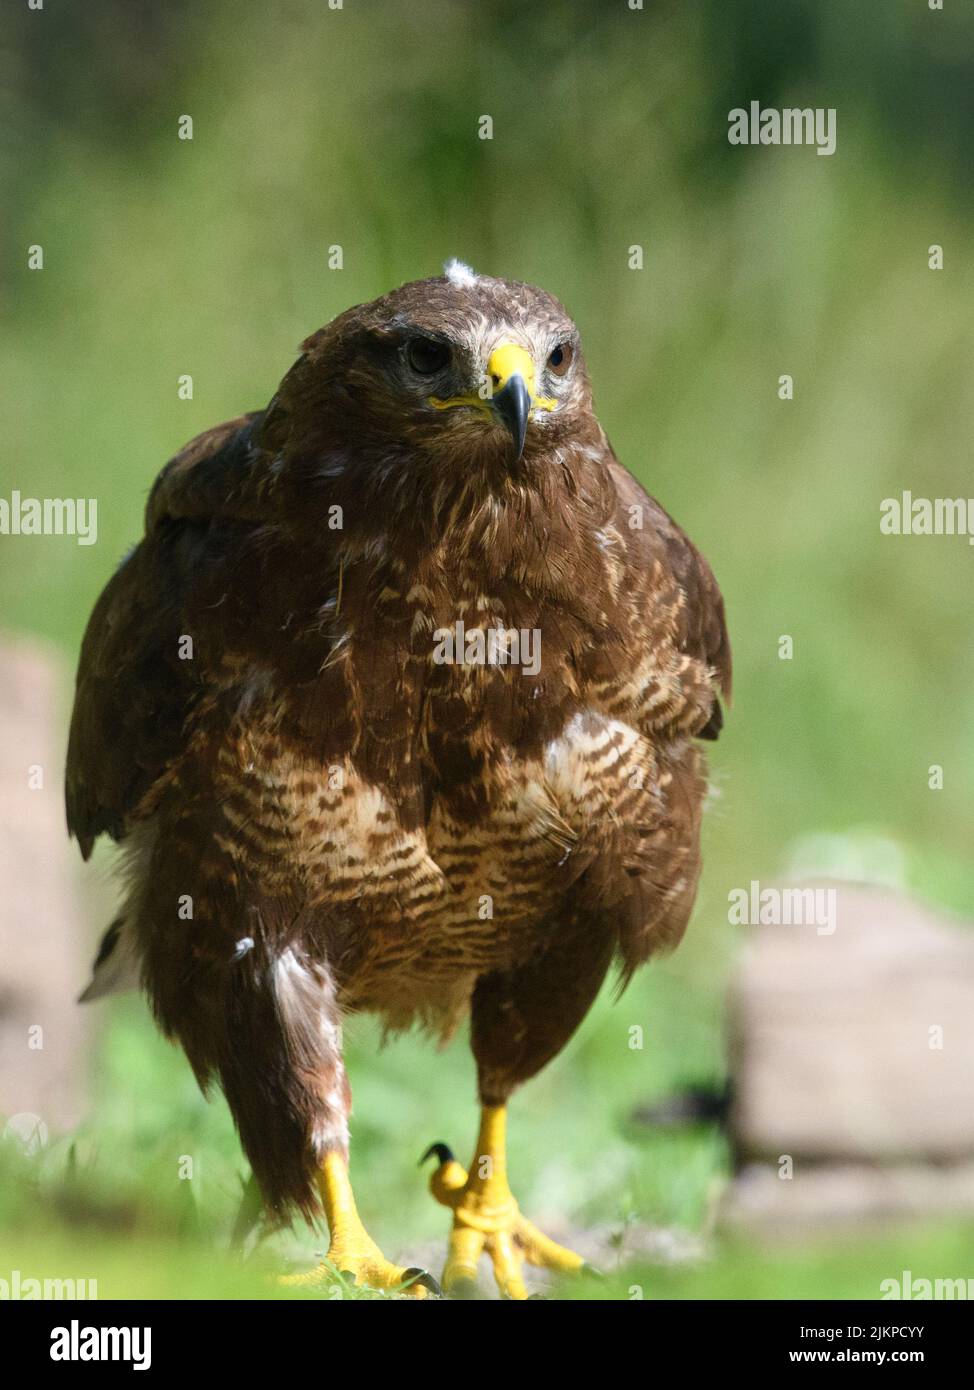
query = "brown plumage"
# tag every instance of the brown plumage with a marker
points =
(320, 816)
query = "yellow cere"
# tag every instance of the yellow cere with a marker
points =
(505, 361)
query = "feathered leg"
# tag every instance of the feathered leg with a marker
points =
(262, 1016)
(520, 1020)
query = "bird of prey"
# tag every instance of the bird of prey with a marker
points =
(396, 707)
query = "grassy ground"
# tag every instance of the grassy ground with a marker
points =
(156, 1268)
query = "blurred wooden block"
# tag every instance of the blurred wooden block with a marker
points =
(43, 945)
(852, 1056)
(831, 1198)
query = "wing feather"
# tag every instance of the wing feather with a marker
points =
(133, 692)
(702, 624)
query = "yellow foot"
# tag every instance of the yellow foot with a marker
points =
(353, 1253)
(486, 1218)
(367, 1268)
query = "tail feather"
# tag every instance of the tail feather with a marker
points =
(116, 967)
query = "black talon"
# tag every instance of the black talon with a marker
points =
(415, 1275)
(443, 1152)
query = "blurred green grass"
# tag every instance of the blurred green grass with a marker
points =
(160, 1270)
(209, 257)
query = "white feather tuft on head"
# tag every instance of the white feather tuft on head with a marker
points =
(458, 273)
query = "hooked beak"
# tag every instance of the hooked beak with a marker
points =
(513, 404)
(510, 371)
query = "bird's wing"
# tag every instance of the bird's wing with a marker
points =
(134, 692)
(703, 626)
(701, 630)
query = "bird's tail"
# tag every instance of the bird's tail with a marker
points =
(116, 966)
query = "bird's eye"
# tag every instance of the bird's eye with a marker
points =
(561, 359)
(427, 356)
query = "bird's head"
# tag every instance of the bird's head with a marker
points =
(458, 370)
(502, 358)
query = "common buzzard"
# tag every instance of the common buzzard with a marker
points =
(395, 708)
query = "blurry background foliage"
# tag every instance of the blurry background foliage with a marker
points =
(358, 127)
